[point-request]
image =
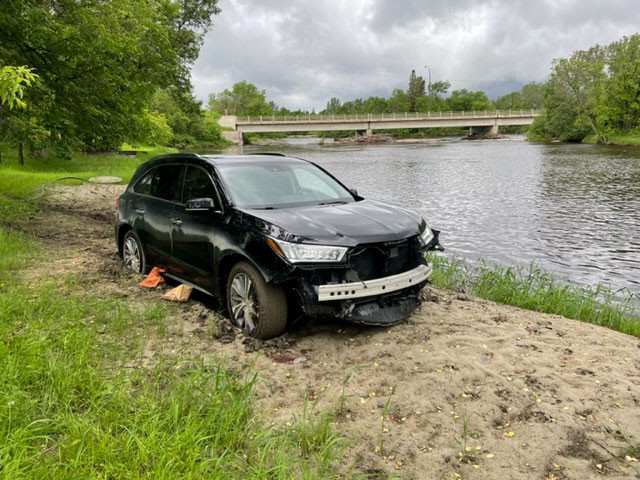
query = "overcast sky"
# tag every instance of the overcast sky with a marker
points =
(303, 52)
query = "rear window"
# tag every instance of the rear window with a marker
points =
(163, 182)
(143, 186)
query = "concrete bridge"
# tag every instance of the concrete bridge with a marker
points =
(481, 122)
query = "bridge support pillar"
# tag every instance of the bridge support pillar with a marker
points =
(488, 131)
(234, 136)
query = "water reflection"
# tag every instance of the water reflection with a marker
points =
(573, 209)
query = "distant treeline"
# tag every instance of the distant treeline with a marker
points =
(245, 99)
(89, 76)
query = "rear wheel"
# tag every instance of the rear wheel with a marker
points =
(257, 307)
(133, 254)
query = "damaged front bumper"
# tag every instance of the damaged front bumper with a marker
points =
(378, 286)
(381, 301)
(377, 299)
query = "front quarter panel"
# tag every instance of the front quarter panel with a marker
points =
(244, 236)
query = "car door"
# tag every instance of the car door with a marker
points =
(157, 194)
(193, 233)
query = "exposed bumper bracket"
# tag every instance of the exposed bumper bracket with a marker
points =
(370, 288)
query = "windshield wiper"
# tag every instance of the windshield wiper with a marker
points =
(335, 202)
(264, 208)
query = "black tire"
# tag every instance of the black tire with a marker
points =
(263, 314)
(132, 246)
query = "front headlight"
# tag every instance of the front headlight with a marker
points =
(426, 235)
(302, 252)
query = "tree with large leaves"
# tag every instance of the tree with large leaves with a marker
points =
(99, 63)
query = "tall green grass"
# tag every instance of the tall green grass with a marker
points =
(75, 401)
(16, 249)
(73, 404)
(534, 289)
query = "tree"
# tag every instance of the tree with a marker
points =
(439, 88)
(464, 100)
(376, 105)
(575, 98)
(623, 85)
(415, 90)
(184, 115)
(398, 101)
(244, 98)
(100, 61)
(333, 106)
(13, 83)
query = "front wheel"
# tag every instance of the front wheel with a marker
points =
(257, 307)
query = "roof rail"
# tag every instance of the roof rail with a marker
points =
(275, 154)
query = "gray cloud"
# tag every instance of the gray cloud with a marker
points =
(303, 52)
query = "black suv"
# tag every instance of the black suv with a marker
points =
(275, 238)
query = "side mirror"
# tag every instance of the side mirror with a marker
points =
(354, 192)
(200, 205)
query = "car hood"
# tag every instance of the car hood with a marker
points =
(349, 224)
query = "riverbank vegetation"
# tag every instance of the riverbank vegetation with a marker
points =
(534, 289)
(593, 95)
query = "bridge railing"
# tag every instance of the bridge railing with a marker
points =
(364, 117)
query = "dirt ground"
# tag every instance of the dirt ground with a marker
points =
(465, 388)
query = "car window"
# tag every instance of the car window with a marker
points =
(167, 182)
(143, 186)
(309, 180)
(197, 184)
(279, 185)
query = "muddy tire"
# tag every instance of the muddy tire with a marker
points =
(257, 307)
(133, 254)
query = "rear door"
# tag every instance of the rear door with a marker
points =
(193, 233)
(158, 192)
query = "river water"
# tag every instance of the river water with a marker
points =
(573, 209)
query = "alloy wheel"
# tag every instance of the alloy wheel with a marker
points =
(243, 302)
(132, 255)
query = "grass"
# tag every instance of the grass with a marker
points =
(383, 416)
(346, 376)
(23, 180)
(16, 249)
(70, 408)
(617, 139)
(20, 185)
(534, 289)
(75, 401)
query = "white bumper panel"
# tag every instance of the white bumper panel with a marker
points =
(369, 288)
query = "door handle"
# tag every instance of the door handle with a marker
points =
(176, 221)
(140, 211)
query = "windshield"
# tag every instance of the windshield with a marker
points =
(280, 185)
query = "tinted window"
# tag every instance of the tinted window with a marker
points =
(197, 184)
(144, 184)
(166, 183)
